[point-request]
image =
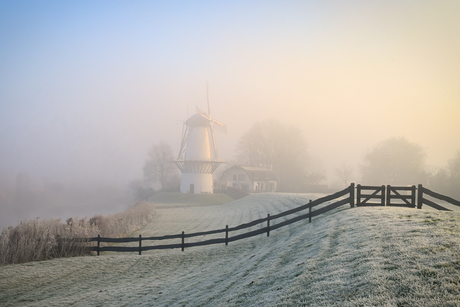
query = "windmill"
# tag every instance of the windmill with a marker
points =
(197, 158)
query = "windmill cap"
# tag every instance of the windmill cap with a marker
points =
(197, 120)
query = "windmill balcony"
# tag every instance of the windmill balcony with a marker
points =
(205, 166)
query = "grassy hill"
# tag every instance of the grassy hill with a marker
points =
(349, 257)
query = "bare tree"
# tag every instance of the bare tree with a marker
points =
(395, 161)
(257, 146)
(447, 179)
(344, 173)
(454, 169)
(159, 167)
(276, 146)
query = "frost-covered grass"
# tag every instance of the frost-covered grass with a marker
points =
(350, 257)
(169, 200)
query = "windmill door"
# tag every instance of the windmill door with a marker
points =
(192, 188)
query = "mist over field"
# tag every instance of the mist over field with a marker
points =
(87, 87)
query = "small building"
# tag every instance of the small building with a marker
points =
(249, 179)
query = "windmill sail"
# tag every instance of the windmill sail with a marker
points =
(219, 126)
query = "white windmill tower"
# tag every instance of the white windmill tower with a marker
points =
(197, 158)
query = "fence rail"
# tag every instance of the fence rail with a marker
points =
(422, 200)
(392, 194)
(227, 230)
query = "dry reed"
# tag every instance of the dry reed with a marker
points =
(34, 240)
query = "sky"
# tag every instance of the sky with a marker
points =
(86, 87)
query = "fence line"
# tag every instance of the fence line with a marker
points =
(421, 200)
(227, 230)
(392, 193)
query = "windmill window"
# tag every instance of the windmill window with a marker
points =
(235, 176)
(241, 177)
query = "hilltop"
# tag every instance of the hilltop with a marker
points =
(374, 256)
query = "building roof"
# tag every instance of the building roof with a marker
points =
(197, 120)
(256, 173)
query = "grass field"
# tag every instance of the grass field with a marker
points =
(169, 200)
(349, 257)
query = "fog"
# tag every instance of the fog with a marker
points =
(87, 87)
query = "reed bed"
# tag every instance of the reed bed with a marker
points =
(40, 239)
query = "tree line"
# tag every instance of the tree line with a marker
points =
(398, 161)
(283, 149)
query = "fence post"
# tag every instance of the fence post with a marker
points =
(183, 241)
(309, 211)
(140, 244)
(419, 197)
(358, 194)
(352, 195)
(383, 195)
(98, 243)
(413, 196)
(268, 225)
(226, 235)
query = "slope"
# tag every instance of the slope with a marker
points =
(349, 257)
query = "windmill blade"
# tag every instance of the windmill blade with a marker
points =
(184, 140)
(213, 142)
(219, 126)
(199, 111)
(207, 97)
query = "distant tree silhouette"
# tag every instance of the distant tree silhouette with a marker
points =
(314, 178)
(454, 170)
(447, 179)
(159, 167)
(281, 148)
(140, 190)
(344, 172)
(394, 161)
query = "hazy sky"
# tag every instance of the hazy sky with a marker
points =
(86, 87)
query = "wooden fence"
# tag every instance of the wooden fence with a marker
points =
(386, 195)
(377, 192)
(407, 200)
(423, 200)
(227, 231)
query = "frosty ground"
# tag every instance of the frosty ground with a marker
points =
(375, 256)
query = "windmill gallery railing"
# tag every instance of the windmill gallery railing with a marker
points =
(344, 197)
